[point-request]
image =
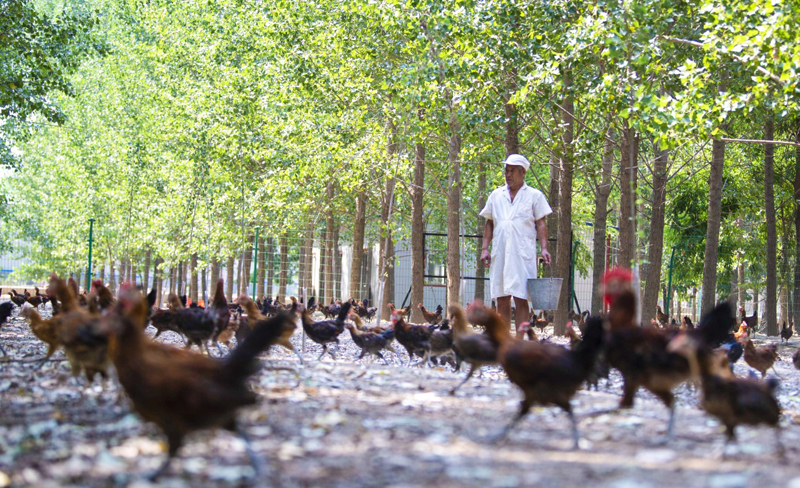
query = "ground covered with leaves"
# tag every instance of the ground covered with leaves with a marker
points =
(348, 423)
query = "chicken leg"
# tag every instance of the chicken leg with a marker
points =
(472, 369)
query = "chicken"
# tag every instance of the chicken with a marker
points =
(547, 374)
(182, 392)
(476, 349)
(574, 340)
(194, 323)
(82, 334)
(786, 332)
(741, 332)
(5, 313)
(661, 316)
(430, 317)
(751, 322)
(541, 322)
(732, 349)
(218, 312)
(759, 358)
(256, 319)
(687, 324)
(82, 297)
(16, 298)
(526, 328)
(414, 338)
(733, 401)
(640, 353)
(371, 342)
(44, 330)
(326, 331)
(796, 358)
(105, 299)
(360, 324)
(441, 343)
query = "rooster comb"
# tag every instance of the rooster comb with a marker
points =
(619, 274)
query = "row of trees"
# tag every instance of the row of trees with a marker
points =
(189, 124)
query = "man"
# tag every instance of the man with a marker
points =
(515, 217)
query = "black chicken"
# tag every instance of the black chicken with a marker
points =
(325, 332)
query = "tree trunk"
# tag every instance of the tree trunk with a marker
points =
(386, 245)
(181, 278)
(173, 279)
(656, 249)
(453, 213)
(270, 266)
(417, 231)
(358, 243)
(734, 296)
(565, 170)
(308, 265)
(336, 264)
(796, 304)
(627, 213)
(146, 277)
(284, 272)
(157, 273)
(512, 129)
(742, 298)
(214, 275)
(194, 282)
(600, 222)
(480, 269)
(771, 312)
(712, 231)
(553, 199)
(229, 270)
(245, 276)
(261, 258)
(327, 270)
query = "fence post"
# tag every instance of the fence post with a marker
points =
(668, 298)
(255, 264)
(91, 241)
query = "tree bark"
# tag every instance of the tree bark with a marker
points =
(157, 273)
(284, 272)
(480, 269)
(742, 298)
(712, 231)
(796, 304)
(565, 170)
(270, 266)
(214, 273)
(359, 225)
(327, 270)
(181, 279)
(600, 226)
(146, 277)
(194, 282)
(308, 266)
(386, 244)
(771, 311)
(244, 276)
(417, 231)
(261, 258)
(511, 141)
(229, 270)
(553, 199)
(656, 249)
(627, 213)
(453, 213)
(336, 264)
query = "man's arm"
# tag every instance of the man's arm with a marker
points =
(488, 231)
(541, 233)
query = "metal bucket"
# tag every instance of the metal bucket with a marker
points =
(544, 292)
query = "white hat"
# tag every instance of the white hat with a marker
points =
(518, 160)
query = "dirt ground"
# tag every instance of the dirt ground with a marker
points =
(348, 423)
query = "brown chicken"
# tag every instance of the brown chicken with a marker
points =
(84, 337)
(477, 350)
(256, 319)
(796, 358)
(104, 298)
(44, 330)
(432, 318)
(378, 329)
(547, 374)
(526, 329)
(370, 341)
(759, 358)
(751, 322)
(640, 353)
(416, 339)
(733, 401)
(181, 391)
(574, 339)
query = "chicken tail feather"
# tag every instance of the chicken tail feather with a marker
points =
(241, 362)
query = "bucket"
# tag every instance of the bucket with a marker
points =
(544, 292)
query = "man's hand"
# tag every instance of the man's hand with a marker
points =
(487, 258)
(546, 257)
